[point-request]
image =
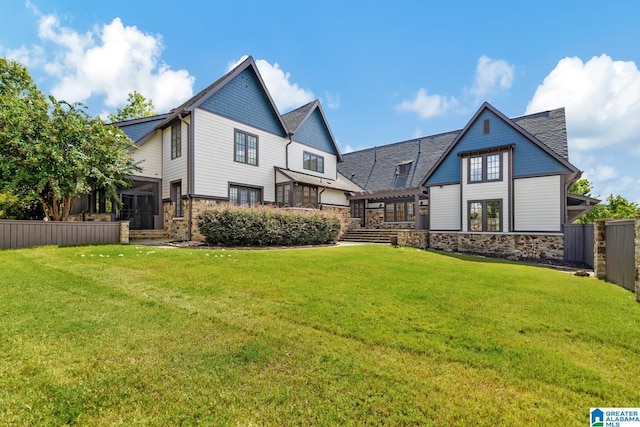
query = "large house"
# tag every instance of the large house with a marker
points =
(497, 185)
(229, 143)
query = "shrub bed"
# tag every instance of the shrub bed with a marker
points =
(267, 226)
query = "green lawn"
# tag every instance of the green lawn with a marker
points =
(358, 335)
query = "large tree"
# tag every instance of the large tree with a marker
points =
(55, 150)
(137, 107)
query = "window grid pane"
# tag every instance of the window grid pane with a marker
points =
(411, 213)
(493, 167)
(493, 216)
(240, 147)
(475, 216)
(389, 212)
(313, 162)
(475, 169)
(252, 150)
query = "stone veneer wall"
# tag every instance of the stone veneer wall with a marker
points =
(375, 220)
(535, 246)
(413, 238)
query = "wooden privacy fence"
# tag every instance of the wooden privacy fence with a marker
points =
(578, 243)
(23, 234)
(617, 252)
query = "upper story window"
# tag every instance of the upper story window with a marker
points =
(313, 162)
(245, 148)
(402, 172)
(487, 167)
(176, 140)
(486, 127)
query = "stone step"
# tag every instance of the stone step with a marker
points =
(147, 235)
(369, 235)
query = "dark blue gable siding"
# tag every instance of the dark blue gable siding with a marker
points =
(314, 133)
(138, 130)
(528, 158)
(244, 100)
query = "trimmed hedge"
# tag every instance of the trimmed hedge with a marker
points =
(266, 226)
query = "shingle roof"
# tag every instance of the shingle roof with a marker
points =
(294, 118)
(374, 169)
(549, 127)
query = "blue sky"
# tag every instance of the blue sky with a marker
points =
(384, 72)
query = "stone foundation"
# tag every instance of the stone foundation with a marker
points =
(413, 238)
(522, 246)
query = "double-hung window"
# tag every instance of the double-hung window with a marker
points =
(313, 162)
(486, 167)
(245, 148)
(485, 215)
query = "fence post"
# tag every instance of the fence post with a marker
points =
(600, 248)
(637, 249)
(124, 232)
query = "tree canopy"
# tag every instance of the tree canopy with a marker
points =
(615, 206)
(137, 107)
(55, 150)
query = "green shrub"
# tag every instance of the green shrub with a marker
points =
(266, 226)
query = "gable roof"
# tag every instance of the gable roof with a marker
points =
(374, 169)
(193, 103)
(555, 142)
(294, 121)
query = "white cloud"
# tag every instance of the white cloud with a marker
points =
(603, 173)
(113, 60)
(602, 101)
(492, 75)
(348, 149)
(427, 106)
(29, 57)
(285, 94)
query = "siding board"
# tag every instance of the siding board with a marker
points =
(445, 207)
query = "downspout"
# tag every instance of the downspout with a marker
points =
(189, 174)
(320, 197)
(286, 150)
